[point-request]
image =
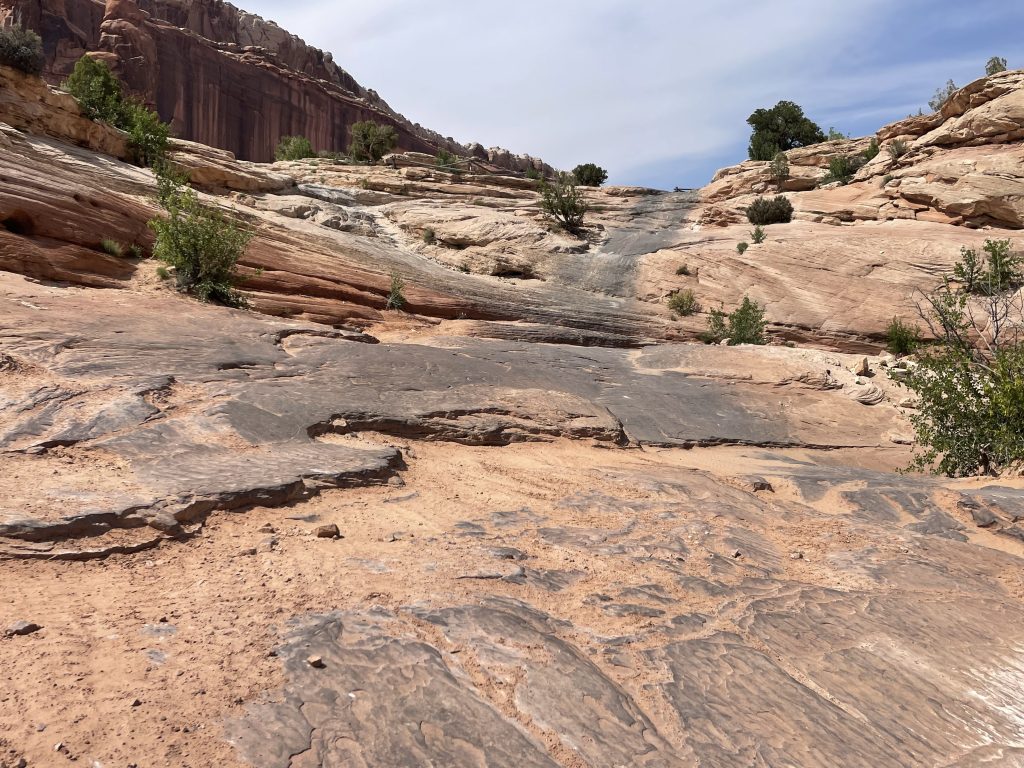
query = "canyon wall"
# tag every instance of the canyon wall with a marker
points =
(221, 76)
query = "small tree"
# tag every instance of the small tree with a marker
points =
(897, 148)
(590, 175)
(294, 148)
(834, 135)
(758, 234)
(744, 325)
(970, 387)
(779, 169)
(995, 65)
(371, 141)
(22, 49)
(942, 95)
(781, 128)
(200, 243)
(396, 299)
(564, 203)
(97, 90)
(100, 97)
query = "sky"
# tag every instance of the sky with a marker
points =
(655, 91)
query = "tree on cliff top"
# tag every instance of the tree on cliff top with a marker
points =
(781, 128)
(590, 175)
(995, 65)
(371, 141)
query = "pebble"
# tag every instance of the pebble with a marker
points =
(316, 662)
(796, 556)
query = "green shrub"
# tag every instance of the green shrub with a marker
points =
(834, 135)
(148, 136)
(429, 236)
(371, 141)
(534, 174)
(163, 273)
(872, 151)
(112, 247)
(887, 178)
(779, 169)
(136, 251)
(564, 203)
(97, 90)
(396, 299)
(758, 234)
(741, 248)
(842, 168)
(897, 148)
(447, 161)
(777, 210)
(22, 49)
(970, 386)
(100, 97)
(684, 303)
(995, 65)
(684, 270)
(744, 325)
(901, 338)
(294, 148)
(780, 128)
(200, 243)
(590, 175)
(942, 95)
(1000, 271)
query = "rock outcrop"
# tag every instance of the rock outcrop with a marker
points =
(224, 77)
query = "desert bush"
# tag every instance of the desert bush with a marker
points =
(834, 135)
(100, 97)
(112, 247)
(534, 174)
(136, 251)
(758, 234)
(371, 141)
(429, 236)
(201, 243)
(995, 65)
(21, 49)
(163, 273)
(447, 161)
(744, 325)
(294, 148)
(872, 151)
(942, 95)
(396, 299)
(563, 202)
(897, 148)
(684, 303)
(999, 271)
(683, 270)
(148, 135)
(590, 175)
(970, 386)
(779, 169)
(842, 168)
(780, 128)
(742, 247)
(901, 338)
(777, 210)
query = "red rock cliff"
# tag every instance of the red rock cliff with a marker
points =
(221, 76)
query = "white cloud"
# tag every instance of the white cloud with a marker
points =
(624, 83)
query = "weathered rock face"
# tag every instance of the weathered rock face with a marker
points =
(962, 166)
(221, 76)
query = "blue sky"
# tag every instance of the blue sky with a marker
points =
(655, 91)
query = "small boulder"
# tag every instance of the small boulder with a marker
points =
(316, 662)
(22, 628)
(330, 531)
(862, 368)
